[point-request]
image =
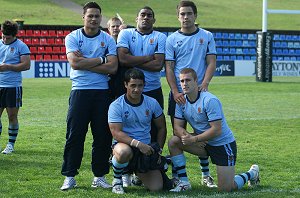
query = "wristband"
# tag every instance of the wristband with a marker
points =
(103, 59)
(131, 143)
(137, 144)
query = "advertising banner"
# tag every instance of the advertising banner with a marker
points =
(224, 68)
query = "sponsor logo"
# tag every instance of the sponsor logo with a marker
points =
(52, 69)
(225, 68)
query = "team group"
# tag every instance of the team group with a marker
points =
(116, 90)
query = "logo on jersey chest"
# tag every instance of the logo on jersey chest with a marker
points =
(12, 49)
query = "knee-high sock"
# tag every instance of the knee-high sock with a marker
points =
(204, 165)
(13, 130)
(242, 179)
(179, 162)
(118, 168)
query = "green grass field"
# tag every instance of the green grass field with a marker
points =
(237, 14)
(265, 118)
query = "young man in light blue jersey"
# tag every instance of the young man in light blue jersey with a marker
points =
(14, 58)
(129, 118)
(211, 136)
(144, 48)
(91, 53)
(190, 47)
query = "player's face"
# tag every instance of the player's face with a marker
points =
(7, 39)
(188, 83)
(114, 28)
(145, 20)
(135, 89)
(92, 18)
(186, 17)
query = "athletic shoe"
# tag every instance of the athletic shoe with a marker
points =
(182, 186)
(208, 181)
(175, 181)
(100, 182)
(126, 179)
(135, 180)
(9, 149)
(255, 180)
(69, 183)
(117, 186)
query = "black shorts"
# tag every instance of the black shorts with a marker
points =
(224, 155)
(158, 95)
(11, 97)
(171, 105)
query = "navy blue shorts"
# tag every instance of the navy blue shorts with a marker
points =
(224, 155)
(10, 97)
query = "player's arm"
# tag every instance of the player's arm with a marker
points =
(211, 68)
(160, 124)
(78, 62)
(128, 60)
(179, 127)
(155, 65)
(22, 66)
(110, 67)
(214, 131)
(171, 79)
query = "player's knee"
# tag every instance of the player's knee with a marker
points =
(157, 186)
(225, 188)
(123, 154)
(174, 141)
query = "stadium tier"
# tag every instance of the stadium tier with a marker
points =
(49, 44)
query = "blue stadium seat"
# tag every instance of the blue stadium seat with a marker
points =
(225, 50)
(298, 58)
(288, 37)
(276, 37)
(252, 51)
(285, 51)
(246, 57)
(295, 38)
(252, 43)
(231, 36)
(225, 43)
(232, 43)
(246, 51)
(240, 57)
(219, 43)
(218, 35)
(290, 44)
(297, 52)
(276, 44)
(238, 51)
(292, 52)
(282, 37)
(293, 58)
(219, 57)
(232, 50)
(226, 58)
(232, 57)
(219, 50)
(274, 58)
(253, 57)
(251, 36)
(283, 44)
(245, 43)
(286, 58)
(225, 35)
(296, 45)
(245, 36)
(278, 51)
(238, 36)
(279, 58)
(239, 43)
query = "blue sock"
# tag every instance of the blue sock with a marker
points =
(13, 130)
(241, 179)
(179, 162)
(118, 168)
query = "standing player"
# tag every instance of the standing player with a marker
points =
(190, 47)
(14, 58)
(144, 49)
(91, 53)
(129, 119)
(211, 135)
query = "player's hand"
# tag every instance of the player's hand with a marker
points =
(179, 98)
(78, 53)
(145, 149)
(187, 139)
(3, 67)
(203, 86)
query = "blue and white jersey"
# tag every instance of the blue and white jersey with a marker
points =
(99, 45)
(189, 51)
(207, 108)
(143, 45)
(11, 54)
(135, 118)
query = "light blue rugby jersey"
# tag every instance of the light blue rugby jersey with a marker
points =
(135, 119)
(11, 54)
(189, 51)
(99, 45)
(142, 45)
(205, 109)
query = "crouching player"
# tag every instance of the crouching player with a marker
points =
(212, 137)
(129, 119)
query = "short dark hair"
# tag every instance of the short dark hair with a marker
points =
(189, 71)
(134, 74)
(9, 28)
(187, 4)
(147, 8)
(91, 4)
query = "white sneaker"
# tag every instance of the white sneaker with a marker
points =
(126, 179)
(208, 181)
(135, 180)
(117, 186)
(69, 183)
(8, 149)
(255, 180)
(100, 182)
(182, 186)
